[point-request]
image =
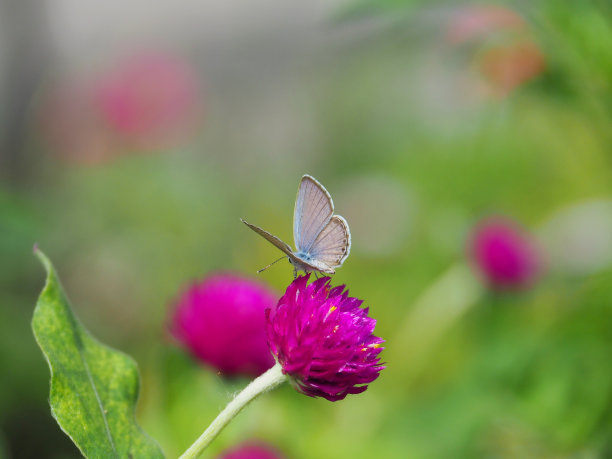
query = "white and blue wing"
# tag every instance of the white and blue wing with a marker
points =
(333, 244)
(313, 211)
(322, 239)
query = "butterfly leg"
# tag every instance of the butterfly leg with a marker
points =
(316, 274)
(294, 273)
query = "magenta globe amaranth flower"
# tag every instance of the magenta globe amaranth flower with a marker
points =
(252, 450)
(324, 340)
(504, 254)
(221, 321)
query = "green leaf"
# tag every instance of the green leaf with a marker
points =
(93, 388)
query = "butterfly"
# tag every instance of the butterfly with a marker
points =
(322, 239)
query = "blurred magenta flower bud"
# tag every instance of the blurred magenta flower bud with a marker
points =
(221, 321)
(504, 254)
(252, 451)
(324, 340)
(149, 99)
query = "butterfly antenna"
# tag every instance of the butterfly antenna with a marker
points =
(275, 261)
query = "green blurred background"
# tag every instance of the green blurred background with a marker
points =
(420, 118)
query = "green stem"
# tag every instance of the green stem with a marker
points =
(267, 381)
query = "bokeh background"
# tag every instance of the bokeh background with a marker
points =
(134, 135)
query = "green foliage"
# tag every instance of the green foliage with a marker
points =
(93, 388)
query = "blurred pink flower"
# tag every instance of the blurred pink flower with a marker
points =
(221, 321)
(504, 254)
(501, 47)
(475, 21)
(251, 451)
(150, 99)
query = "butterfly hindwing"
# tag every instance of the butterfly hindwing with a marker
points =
(333, 244)
(313, 210)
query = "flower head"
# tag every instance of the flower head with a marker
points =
(504, 254)
(324, 340)
(221, 321)
(251, 451)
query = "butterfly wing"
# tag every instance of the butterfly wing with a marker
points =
(271, 238)
(300, 264)
(313, 210)
(333, 243)
(313, 265)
